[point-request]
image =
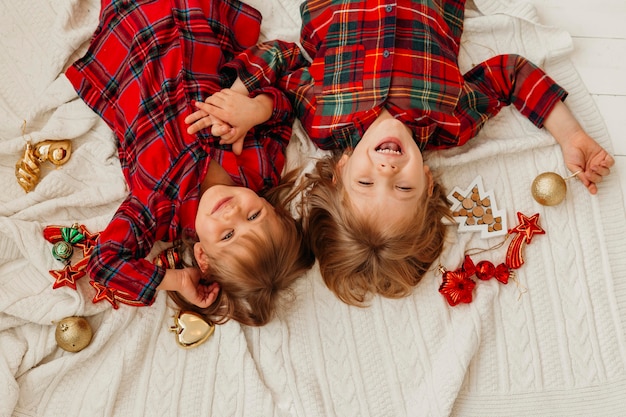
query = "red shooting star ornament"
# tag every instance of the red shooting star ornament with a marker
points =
(526, 229)
(457, 286)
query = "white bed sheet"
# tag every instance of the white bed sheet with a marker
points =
(554, 345)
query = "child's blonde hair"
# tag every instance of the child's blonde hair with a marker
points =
(357, 259)
(251, 279)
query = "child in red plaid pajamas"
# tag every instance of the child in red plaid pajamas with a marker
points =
(146, 66)
(382, 85)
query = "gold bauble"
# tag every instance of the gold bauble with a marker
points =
(73, 334)
(549, 188)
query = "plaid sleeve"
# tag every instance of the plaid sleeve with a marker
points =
(264, 64)
(282, 112)
(263, 158)
(118, 259)
(512, 79)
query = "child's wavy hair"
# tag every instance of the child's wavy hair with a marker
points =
(251, 280)
(355, 258)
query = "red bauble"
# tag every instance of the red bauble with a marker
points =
(485, 270)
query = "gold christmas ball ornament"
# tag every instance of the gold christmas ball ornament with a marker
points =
(549, 189)
(73, 334)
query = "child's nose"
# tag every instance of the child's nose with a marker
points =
(231, 211)
(387, 168)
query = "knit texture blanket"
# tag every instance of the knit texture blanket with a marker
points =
(550, 343)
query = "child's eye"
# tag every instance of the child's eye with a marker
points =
(365, 183)
(404, 188)
(254, 216)
(228, 235)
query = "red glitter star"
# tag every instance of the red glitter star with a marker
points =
(89, 242)
(66, 277)
(529, 226)
(104, 293)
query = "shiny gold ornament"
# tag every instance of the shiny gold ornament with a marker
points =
(191, 329)
(27, 169)
(73, 334)
(549, 188)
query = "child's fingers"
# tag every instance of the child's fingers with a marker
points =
(601, 170)
(203, 105)
(198, 126)
(195, 116)
(216, 98)
(207, 294)
(238, 147)
(220, 130)
(227, 138)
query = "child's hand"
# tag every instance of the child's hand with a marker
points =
(239, 110)
(188, 283)
(201, 119)
(582, 153)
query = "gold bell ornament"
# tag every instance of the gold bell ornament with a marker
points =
(549, 188)
(27, 169)
(73, 334)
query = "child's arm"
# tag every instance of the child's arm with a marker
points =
(512, 79)
(580, 151)
(187, 282)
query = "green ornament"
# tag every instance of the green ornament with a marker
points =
(62, 251)
(72, 235)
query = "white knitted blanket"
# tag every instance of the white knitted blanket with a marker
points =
(553, 345)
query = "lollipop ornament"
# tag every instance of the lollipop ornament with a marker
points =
(549, 188)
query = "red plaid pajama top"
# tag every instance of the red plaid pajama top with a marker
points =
(395, 54)
(146, 64)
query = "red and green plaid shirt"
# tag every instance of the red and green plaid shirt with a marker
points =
(146, 64)
(395, 54)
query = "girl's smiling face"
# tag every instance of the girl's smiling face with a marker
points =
(226, 215)
(385, 176)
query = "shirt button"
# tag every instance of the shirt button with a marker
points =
(389, 8)
(386, 53)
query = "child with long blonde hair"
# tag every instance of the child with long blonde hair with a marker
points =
(146, 66)
(380, 83)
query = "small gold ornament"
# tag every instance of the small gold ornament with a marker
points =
(191, 329)
(27, 169)
(73, 334)
(549, 188)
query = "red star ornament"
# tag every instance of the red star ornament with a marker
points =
(524, 232)
(66, 276)
(103, 293)
(529, 226)
(89, 242)
(457, 286)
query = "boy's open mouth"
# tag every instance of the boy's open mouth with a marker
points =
(389, 148)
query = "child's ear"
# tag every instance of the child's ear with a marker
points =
(202, 258)
(340, 164)
(429, 178)
(342, 161)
